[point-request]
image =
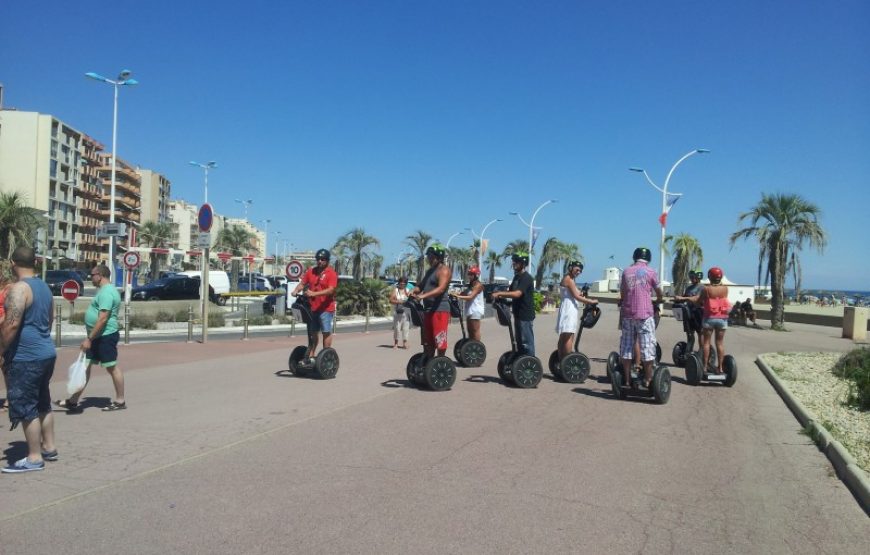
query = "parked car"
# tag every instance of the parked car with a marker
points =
(253, 283)
(171, 288)
(270, 301)
(56, 278)
(489, 288)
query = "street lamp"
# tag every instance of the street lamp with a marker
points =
(247, 203)
(275, 263)
(266, 235)
(531, 224)
(666, 206)
(207, 166)
(452, 237)
(122, 80)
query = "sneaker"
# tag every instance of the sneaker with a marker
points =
(23, 466)
(50, 456)
(115, 406)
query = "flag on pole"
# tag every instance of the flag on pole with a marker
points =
(670, 201)
(535, 232)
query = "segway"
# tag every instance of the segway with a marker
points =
(691, 323)
(524, 371)
(695, 373)
(469, 353)
(437, 373)
(574, 368)
(325, 364)
(613, 359)
(659, 388)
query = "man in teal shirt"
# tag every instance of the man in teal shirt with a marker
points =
(101, 343)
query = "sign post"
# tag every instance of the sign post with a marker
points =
(70, 291)
(205, 218)
(131, 262)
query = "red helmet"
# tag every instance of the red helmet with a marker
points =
(474, 270)
(715, 274)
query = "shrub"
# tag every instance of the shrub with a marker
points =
(855, 367)
(352, 297)
(216, 320)
(284, 320)
(164, 316)
(263, 320)
(143, 321)
(182, 315)
(539, 301)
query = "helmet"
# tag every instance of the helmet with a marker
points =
(474, 270)
(642, 253)
(697, 274)
(715, 274)
(521, 257)
(322, 254)
(437, 250)
(575, 263)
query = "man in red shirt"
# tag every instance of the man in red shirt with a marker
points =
(319, 284)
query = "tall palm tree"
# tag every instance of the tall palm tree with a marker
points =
(374, 263)
(782, 224)
(418, 241)
(517, 245)
(18, 222)
(493, 261)
(688, 255)
(340, 256)
(237, 240)
(159, 235)
(357, 242)
(553, 252)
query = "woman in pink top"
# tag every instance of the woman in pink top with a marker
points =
(714, 301)
(6, 279)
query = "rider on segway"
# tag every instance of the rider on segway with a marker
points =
(521, 292)
(568, 320)
(715, 303)
(636, 286)
(319, 284)
(432, 291)
(473, 297)
(691, 296)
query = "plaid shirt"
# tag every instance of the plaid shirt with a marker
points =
(638, 283)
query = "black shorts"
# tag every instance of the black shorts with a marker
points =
(104, 350)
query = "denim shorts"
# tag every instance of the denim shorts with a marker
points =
(27, 383)
(320, 322)
(104, 350)
(716, 323)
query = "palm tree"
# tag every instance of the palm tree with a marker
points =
(553, 252)
(493, 261)
(517, 245)
(374, 263)
(687, 256)
(419, 241)
(156, 234)
(18, 222)
(782, 224)
(340, 256)
(357, 241)
(237, 240)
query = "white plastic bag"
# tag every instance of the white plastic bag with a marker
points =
(77, 375)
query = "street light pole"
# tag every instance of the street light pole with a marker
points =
(665, 209)
(480, 250)
(265, 242)
(246, 203)
(207, 166)
(122, 80)
(275, 263)
(531, 225)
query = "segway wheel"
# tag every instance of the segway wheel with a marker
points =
(575, 368)
(616, 383)
(439, 373)
(679, 354)
(472, 353)
(553, 362)
(658, 352)
(527, 371)
(326, 363)
(504, 363)
(296, 356)
(612, 362)
(414, 363)
(730, 365)
(713, 362)
(661, 385)
(693, 369)
(457, 351)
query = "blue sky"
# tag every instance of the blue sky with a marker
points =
(397, 116)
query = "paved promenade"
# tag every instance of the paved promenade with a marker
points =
(220, 453)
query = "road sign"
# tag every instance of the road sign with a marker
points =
(203, 240)
(131, 260)
(113, 229)
(205, 217)
(294, 270)
(70, 290)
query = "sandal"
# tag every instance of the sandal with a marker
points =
(115, 406)
(68, 405)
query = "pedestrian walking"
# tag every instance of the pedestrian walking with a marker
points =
(29, 356)
(401, 319)
(101, 344)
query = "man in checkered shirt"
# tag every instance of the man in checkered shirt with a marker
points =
(638, 322)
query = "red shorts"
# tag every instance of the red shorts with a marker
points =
(435, 329)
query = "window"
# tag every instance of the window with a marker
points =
(53, 169)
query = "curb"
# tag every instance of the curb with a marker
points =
(847, 469)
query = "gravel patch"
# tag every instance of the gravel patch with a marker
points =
(809, 378)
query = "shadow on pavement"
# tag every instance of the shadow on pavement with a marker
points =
(397, 383)
(484, 379)
(17, 450)
(609, 395)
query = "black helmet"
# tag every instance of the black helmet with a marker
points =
(642, 253)
(322, 254)
(521, 257)
(437, 250)
(575, 263)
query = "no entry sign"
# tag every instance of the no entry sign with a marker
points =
(70, 290)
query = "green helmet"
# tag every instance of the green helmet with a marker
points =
(697, 274)
(437, 250)
(521, 257)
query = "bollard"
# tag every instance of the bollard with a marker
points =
(292, 327)
(126, 323)
(245, 333)
(190, 323)
(368, 314)
(57, 326)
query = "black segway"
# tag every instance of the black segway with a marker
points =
(524, 371)
(574, 368)
(437, 373)
(468, 352)
(696, 373)
(325, 364)
(659, 388)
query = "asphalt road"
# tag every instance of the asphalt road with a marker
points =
(221, 452)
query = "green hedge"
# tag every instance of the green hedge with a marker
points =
(353, 297)
(855, 367)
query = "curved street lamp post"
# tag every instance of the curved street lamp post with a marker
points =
(531, 225)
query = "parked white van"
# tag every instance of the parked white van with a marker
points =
(218, 279)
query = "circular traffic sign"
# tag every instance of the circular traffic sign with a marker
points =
(205, 217)
(294, 269)
(131, 260)
(70, 290)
